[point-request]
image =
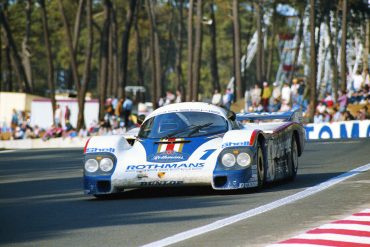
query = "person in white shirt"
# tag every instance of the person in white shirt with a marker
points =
(357, 81)
(285, 93)
(216, 98)
(256, 95)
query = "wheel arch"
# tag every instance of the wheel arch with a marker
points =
(298, 141)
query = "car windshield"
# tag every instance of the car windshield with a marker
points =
(183, 124)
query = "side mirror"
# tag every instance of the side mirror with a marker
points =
(140, 119)
(231, 115)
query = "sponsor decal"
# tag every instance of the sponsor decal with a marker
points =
(161, 183)
(338, 130)
(161, 174)
(100, 150)
(168, 156)
(235, 144)
(247, 185)
(170, 145)
(165, 167)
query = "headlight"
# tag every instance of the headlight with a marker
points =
(228, 160)
(243, 159)
(106, 165)
(91, 165)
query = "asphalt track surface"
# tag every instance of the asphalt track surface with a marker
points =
(42, 203)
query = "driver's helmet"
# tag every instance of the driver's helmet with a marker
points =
(170, 122)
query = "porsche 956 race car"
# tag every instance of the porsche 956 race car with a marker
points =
(192, 144)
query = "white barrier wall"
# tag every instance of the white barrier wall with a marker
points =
(338, 130)
(41, 112)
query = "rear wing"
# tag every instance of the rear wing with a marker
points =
(294, 115)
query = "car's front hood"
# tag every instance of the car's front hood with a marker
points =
(168, 161)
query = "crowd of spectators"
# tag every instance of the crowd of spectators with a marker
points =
(281, 98)
(118, 116)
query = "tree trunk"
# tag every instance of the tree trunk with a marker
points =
(115, 67)
(333, 58)
(139, 53)
(76, 37)
(103, 74)
(179, 85)
(343, 50)
(237, 52)
(70, 47)
(49, 55)
(26, 53)
(197, 50)
(14, 55)
(271, 43)
(125, 42)
(259, 54)
(213, 62)
(87, 67)
(313, 63)
(297, 49)
(9, 78)
(190, 52)
(367, 46)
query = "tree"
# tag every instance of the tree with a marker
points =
(190, 53)
(237, 52)
(103, 74)
(26, 51)
(197, 50)
(13, 55)
(259, 58)
(86, 77)
(155, 55)
(343, 50)
(49, 55)
(213, 62)
(179, 45)
(313, 63)
(139, 53)
(125, 42)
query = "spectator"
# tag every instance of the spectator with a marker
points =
(321, 108)
(348, 116)
(266, 94)
(329, 100)
(318, 117)
(178, 96)
(284, 106)
(342, 100)
(276, 105)
(357, 81)
(15, 120)
(256, 95)
(366, 77)
(294, 91)
(337, 115)
(216, 98)
(301, 90)
(127, 109)
(247, 100)
(67, 114)
(58, 115)
(227, 99)
(285, 94)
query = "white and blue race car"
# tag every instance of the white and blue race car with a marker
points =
(192, 144)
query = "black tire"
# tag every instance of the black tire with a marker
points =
(261, 171)
(293, 159)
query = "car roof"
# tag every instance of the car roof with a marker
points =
(189, 107)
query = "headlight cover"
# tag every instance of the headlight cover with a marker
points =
(228, 160)
(106, 164)
(91, 165)
(243, 159)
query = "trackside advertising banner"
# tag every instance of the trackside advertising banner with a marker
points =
(338, 130)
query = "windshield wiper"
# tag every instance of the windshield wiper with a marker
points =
(196, 128)
(193, 128)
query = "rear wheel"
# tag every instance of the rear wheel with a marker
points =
(293, 159)
(260, 167)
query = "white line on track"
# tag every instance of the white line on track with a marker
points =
(7, 151)
(259, 210)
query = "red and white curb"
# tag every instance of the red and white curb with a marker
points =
(353, 231)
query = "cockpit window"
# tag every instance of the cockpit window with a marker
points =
(183, 124)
